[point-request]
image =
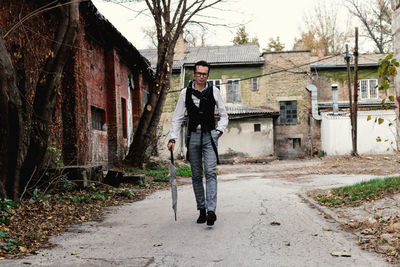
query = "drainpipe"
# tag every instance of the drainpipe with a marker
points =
(335, 99)
(314, 101)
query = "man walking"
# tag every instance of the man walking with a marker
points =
(199, 100)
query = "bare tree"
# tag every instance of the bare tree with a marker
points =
(170, 19)
(193, 37)
(322, 30)
(376, 19)
(24, 132)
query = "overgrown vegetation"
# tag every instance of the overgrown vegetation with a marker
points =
(161, 175)
(356, 194)
(26, 226)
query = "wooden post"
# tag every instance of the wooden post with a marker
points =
(351, 107)
(355, 106)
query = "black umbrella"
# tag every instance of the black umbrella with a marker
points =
(172, 178)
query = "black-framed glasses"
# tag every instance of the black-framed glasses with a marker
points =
(201, 74)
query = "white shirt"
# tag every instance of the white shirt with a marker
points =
(180, 109)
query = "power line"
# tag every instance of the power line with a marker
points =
(274, 72)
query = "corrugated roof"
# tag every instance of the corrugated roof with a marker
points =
(241, 110)
(214, 55)
(364, 60)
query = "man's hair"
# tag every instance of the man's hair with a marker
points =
(202, 63)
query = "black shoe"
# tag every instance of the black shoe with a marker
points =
(211, 218)
(203, 217)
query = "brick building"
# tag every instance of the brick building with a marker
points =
(109, 76)
(99, 101)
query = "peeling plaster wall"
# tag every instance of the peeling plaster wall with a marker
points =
(241, 137)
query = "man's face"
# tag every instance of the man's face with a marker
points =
(200, 74)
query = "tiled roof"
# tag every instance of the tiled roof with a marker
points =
(241, 110)
(214, 55)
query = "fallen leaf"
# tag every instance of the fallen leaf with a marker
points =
(49, 218)
(340, 254)
(275, 223)
(157, 245)
(2, 258)
(314, 234)
(23, 249)
(327, 229)
(73, 253)
(287, 244)
(83, 246)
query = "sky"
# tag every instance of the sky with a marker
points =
(263, 19)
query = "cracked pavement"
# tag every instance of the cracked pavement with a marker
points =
(264, 219)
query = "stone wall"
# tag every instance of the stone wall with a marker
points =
(291, 140)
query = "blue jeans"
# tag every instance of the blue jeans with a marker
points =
(197, 152)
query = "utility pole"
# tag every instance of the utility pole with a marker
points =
(347, 59)
(355, 106)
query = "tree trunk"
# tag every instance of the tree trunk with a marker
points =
(152, 113)
(46, 93)
(11, 126)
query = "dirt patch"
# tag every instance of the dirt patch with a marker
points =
(381, 165)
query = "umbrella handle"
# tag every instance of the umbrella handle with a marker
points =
(172, 157)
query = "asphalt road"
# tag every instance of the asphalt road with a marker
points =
(144, 233)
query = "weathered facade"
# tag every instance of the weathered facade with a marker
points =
(107, 84)
(284, 83)
(277, 87)
(232, 71)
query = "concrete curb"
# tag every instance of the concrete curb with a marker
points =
(325, 210)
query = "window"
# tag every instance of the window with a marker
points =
(124, 121)
(233, 91)
(257, 127)
(369, 88)
(131, 84)
(296, 142)
(254, 82)
(288, 112)
(98, 118)
(216, 83)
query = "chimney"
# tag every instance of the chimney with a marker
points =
(335, 99)
(179, 51)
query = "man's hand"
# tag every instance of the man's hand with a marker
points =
(171, 144)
